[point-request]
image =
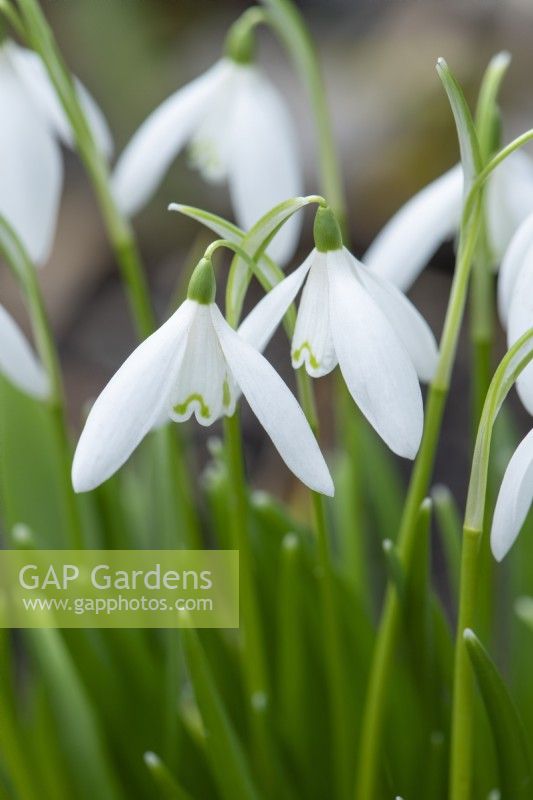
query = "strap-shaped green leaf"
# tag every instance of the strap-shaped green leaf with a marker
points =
(507, 729)
(466, 131)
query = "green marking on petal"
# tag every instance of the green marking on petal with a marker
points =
(226, 395)
(181, 408)
(313, 360)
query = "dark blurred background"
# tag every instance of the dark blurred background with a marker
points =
(392, 125)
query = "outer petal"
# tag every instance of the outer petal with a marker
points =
(404, 246)
(258, 327)
(514, 499)
(132, 402)
(33, 74)
(31, 170)
(17, 361)
(263, 167)
(410, 327)
(509, 200)
(312, 343)
(513, 261)
(374, 363)
(520, 320)
(275, 407)
(146, 158)
(200, 382)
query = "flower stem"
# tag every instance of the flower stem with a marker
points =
(255, 664)
(461, 733)
(291, 29)
(367, 787)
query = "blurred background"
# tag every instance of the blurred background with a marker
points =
(393, 130)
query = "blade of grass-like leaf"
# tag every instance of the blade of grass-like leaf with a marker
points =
(449, 528)
(229, 765)
(166, 783)
(76, 721)
(487, 103)
(512, 750)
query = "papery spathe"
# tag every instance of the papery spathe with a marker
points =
(193, 364)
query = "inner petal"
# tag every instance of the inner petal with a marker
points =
(312, 343)
(210, 147)
(200, 383)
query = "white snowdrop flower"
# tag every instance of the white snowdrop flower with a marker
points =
(33, 126)
(515, 299)
(514, 499)
(404, 246)
(194, 364)
(238, 131)
(18, 364)
(349, 315)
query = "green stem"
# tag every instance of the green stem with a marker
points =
(293, 31)
(461, 734)
(341, 724)
(367, 787)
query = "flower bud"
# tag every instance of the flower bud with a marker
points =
(326, 230)
(202, 285)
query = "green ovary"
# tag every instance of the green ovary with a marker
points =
(181, 408)
(313, 361)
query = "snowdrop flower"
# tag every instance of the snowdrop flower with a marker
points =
(404, 246)
(33, 125)
(351, 316)
(238, 131)
(194, 364)
(515, 299)
(514, 499)
(18, 363)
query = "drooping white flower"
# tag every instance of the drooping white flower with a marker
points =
(238, 131)
(33, 126)
(515, 299)
(18, 364)
(349, 315)
(404, 246)
(514, 499)
(194, 364)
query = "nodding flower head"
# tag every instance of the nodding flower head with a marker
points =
(350, 316)
(194, 364)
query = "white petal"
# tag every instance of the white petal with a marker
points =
(200, 382)
(521, 320)
(512, 263)
(410, 327)
(404, 246)
(132, 403)
(258, 327)
(514, 499)
(374, 363)
(162, 135)
(18, 362)
(312, 343)
(264, 167)
(31, 169)
(275, 407)
(509, 200)
(35, 77)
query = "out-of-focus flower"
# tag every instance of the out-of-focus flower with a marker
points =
(404, 246)
(194, 364)
(349, 315)
(238, 131)
(514, 499)
(33, 126)
(17, 361)
(515, 299)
